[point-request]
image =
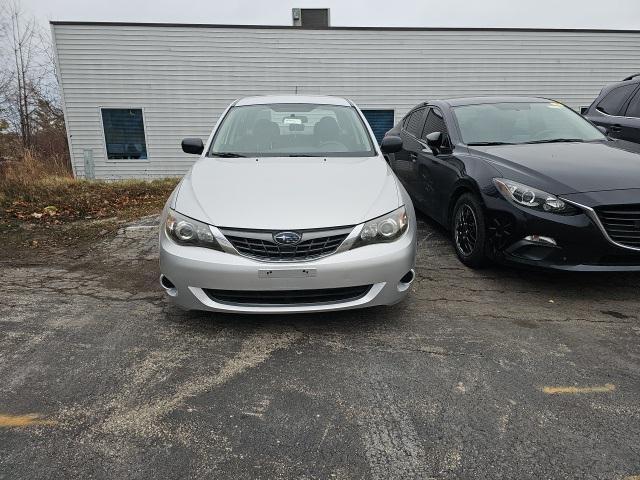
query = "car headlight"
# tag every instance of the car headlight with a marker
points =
(386, 228)
(187, 231)
(532, 197)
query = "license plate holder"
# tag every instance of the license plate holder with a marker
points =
(287, 272)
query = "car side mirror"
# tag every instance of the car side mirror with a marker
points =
(602, 129)
(435, 141)
(192, 145)
(391, 144)
(584, 110)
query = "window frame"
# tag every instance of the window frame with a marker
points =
(447, 133)
(404, 125)
(405, 119)
(104, 137)
(438, 113)
(623, 107)
(635, 94)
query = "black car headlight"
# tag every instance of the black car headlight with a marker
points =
(386, 228)
(530, 197)
(187, 231)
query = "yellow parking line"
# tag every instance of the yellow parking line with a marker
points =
(12, 421)
(607, 387)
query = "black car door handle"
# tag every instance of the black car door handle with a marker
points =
(616, 128)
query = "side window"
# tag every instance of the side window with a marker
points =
(434, 123)
(634, 106)
(414, 123)
(613, 101)
(405, 120)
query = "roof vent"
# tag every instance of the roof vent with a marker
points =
(310, 17)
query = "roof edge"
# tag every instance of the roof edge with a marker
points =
(291, 27)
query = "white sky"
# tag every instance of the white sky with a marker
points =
(610, 14)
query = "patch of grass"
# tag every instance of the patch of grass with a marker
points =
(36, 192)
(43, 208)
(57, 200)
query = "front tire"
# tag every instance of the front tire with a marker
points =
(468, 231)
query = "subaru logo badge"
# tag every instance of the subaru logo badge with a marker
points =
(287, 238)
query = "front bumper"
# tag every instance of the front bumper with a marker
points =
(581, 243)
(193, 271)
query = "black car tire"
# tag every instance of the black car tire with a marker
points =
(468, 231)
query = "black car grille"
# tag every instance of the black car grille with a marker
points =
(622, 223)
(288, 297)
(270, 251)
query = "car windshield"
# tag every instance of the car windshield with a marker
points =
(292, 130)
(516, 123)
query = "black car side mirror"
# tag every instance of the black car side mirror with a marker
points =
(435, 141)
(192, 145)
(391, 144)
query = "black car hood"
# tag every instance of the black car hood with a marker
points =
(563, 168)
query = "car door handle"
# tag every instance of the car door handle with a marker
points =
(616, 128)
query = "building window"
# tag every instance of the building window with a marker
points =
(381, 121)
(124, 133)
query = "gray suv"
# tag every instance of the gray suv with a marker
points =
(617, 109)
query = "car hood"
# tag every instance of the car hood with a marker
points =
(563, 168)
(288, 193)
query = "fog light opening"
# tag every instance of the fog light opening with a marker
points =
(168, 286)
(408, 277)
(406, 281)
(541, 240)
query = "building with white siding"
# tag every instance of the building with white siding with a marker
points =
(133, 91)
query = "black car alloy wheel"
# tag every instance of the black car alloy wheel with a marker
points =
(469, 231)
(466, 230)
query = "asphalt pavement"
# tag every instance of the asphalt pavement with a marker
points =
(499, 373)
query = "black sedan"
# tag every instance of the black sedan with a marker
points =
(524, 180)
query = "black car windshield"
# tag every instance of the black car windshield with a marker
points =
(517, 123)
(292, 130)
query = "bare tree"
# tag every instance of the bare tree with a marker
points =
(25, 61)
(30, 113)
(19, 36)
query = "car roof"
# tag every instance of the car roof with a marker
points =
(457, 102)
(631, 81)
(313, 99)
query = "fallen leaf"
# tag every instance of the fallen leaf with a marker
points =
(50, 210)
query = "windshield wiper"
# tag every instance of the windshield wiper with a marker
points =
(486, 144)
(302, 155)
(557, 140)
(227, 155)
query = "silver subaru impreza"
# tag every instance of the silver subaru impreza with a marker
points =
(290, 208)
